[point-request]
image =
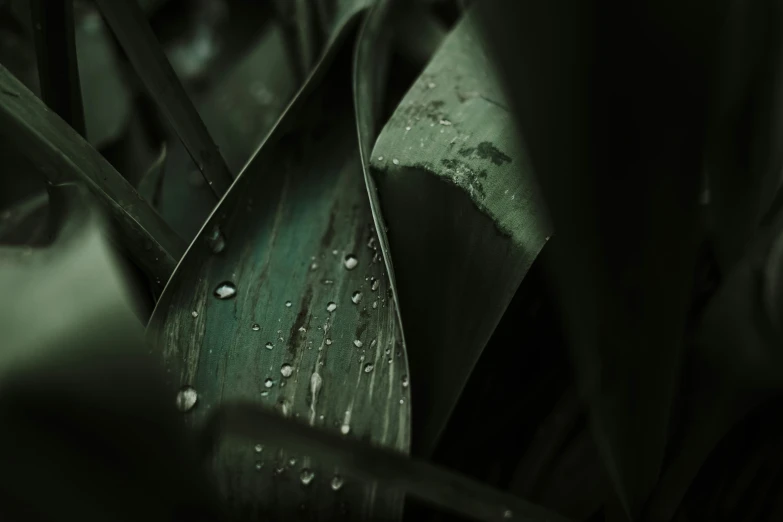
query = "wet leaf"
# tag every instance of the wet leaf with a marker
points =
(464, 224)
(261, 309)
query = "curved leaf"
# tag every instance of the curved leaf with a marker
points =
(464, 224)
(291, 236)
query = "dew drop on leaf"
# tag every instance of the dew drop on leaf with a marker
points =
(226, 290)
(269, 382)
(256, 327)
(405, 381)
(186, 398)
(306, 476)
(357, 343)
(331, 307)
(286, 370)
(194, 314)
(375, 284)
(259, 465)
(328, 342)
(350, 261)
(368, 367)
(215, 240)
(337, 483)
(269, 346)
(356, 298)
(288, 304)
(258, 448)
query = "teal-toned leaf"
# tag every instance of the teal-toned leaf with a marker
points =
(62, 155)
(306, 326)
(464, 225)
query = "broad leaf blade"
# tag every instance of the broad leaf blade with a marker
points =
(291, 218)
(464, 223)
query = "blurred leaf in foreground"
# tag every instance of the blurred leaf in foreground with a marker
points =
(82, 405)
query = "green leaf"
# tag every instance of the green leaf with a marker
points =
(464, 224)
(291, 237)
(60, 154)
(134, 33)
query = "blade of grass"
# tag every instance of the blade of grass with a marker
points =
(55, 50)
(134, 33)
(438, 486)
(62, 155)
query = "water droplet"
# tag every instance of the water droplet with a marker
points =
(380, 158)
(259, 465)
(286, 370)
(331, 307)
(186, 398)
(269, 382)
(371, 244)
(313, 266)
(337, 483)
(194, 314)
(226, 290)
(345, 429)
(328, 281)
(375, 305)
(356, 297)
(396, 161)
(430, 85)
(374, 342)
(279, 470)
(288, 304)
(306, 476)
(269, 345)
(357, 343)
(375, 284)
(302, 329)
(265, 393)
(215, 240)
(368, 367)
(292, 461)
(350, 261)
(389, 360)
(377, 257)
(258, 448)
(387, 351)
(328, 342)
(256, 327)
(507, 514)
(445, 122)
(405, 381)
(315, 383)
